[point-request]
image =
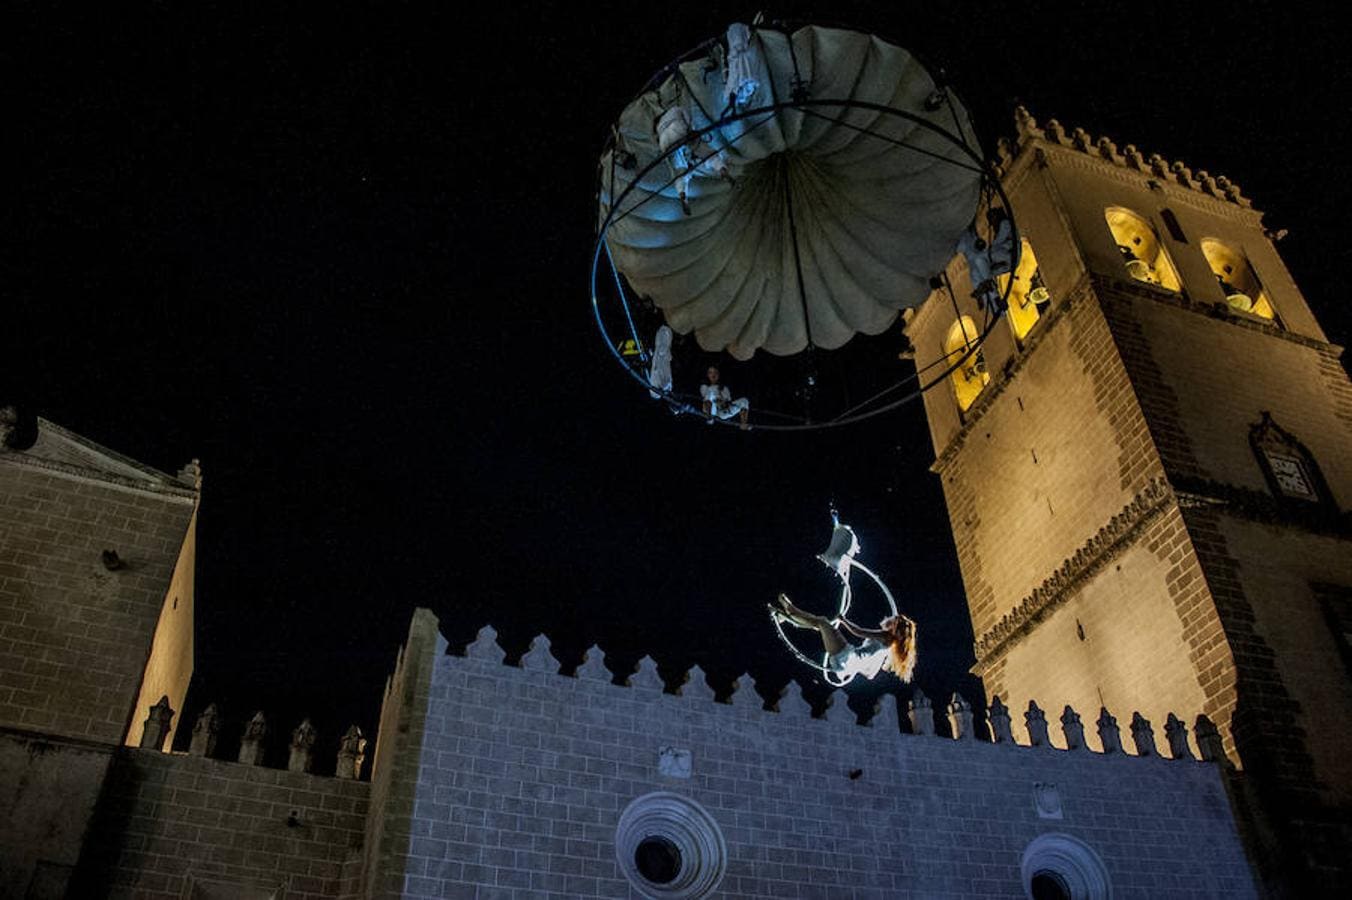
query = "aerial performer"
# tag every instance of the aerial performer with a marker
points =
(687, 160)
(659, 373)
(718, 402)
(889, 647)
(781, 195)
(987, 259)
(741, 79)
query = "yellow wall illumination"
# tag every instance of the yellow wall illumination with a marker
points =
(1143, 255)
(1242, 289)
(1026, 294)
(970, 377)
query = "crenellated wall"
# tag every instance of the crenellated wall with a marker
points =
(524, 777)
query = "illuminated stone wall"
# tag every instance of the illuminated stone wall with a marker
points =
(395, 762)
(524, 775)
(1206, 382)
(77, 635)
(1118, 640)
(1055, 450)
(1172, 576)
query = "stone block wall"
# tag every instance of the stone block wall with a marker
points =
(394, 764)
(167, 825)
(1118, 639)
(524, 774)
(74, 634)
(47, 795)
(1052, 451)
(1205, 377)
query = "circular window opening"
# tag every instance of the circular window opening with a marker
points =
(668, 847)
(1062, 867)
(658, 859)
(1049, 886)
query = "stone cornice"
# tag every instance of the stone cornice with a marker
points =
(1107, 286)
(1099, 551)
(39, 737)
(81, 473)
(1000, 380)
(1262, 507)
(1104, 286)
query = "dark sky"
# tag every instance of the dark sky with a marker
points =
(340, 255)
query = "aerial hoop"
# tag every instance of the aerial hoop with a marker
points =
(843, 666)
(784, 229)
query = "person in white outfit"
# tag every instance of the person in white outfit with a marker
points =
(659, 373)
(890, 646)
(985, 261)
(741, 79)
(718, 402)
(687, 161)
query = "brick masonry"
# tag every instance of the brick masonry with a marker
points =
(523, 773)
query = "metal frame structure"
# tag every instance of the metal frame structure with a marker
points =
(634, 196)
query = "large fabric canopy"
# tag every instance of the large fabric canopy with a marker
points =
(866, 204)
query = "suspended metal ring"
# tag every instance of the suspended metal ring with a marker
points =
(912, 385)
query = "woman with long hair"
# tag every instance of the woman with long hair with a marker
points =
(891, 646)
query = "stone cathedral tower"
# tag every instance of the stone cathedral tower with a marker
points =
(1146, 469)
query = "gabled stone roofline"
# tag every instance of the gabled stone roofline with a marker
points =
(81, 473)
(1103, 149)
(47, 425)
(186, 485)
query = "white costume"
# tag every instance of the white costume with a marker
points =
(721, 404)
(741, 78)
(985, 261)
(659, 374)
(973, 248)
(867, 659)
(1002, 248)
(673, 130)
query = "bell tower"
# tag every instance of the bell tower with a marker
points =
(1146, 468)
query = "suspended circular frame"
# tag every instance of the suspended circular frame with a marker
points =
(828, 675)
(618, 309)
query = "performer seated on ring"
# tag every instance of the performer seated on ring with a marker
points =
(891, 647)
(718, 402)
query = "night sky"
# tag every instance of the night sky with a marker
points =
(341, 255)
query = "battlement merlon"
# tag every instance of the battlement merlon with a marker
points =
(1014, 158)
(539, 757)
(538, 670)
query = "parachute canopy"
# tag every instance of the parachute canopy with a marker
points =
(793, 195)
